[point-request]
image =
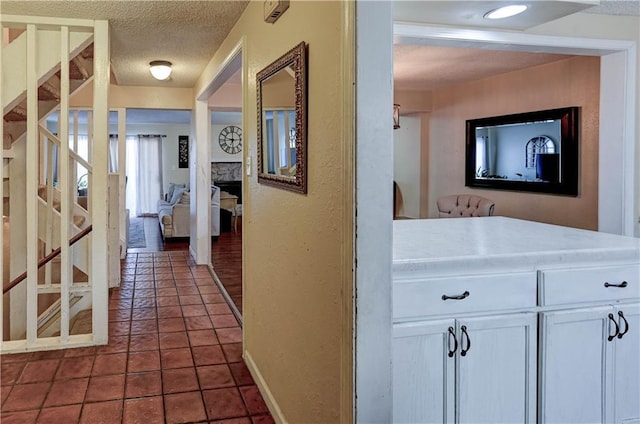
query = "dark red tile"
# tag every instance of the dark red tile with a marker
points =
(47, 354)
(144, 326)
(233, 352)
(224, 321)
(144, 361)
(10, 372)
(176, 358)
(215, 376)
(5, 358)
(179, 380)
(26, 396)
(143, 313)
(193, 310)
(208, 355)
(117, 344)
(142, 342)
(143, 384)
(262, 419)
(107, 387)
(191, 299)
(184, 408)
(202, 337)
(143, 292)
(102, 412)
(80, 351)
(22, 417)
(145, 410)
(168, 325)
(253, 400)
(75, 367)
(167, 291)
(120, 328)
(213, 298)
(229, 335)
(169, 312)
(4, 393)
(119, 315)
(218, 308)
(168, 301)
(241, 374)
(224, 403)
(242, 420)
(38, 371)
(188, 291)
(198, 323)
(115, 363)
(173, 340)
(60, 414)
(145, 302)
(67, 392)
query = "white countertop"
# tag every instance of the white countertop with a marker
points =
(495, 244)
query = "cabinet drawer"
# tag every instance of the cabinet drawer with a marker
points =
(419, 298)
(564, 286)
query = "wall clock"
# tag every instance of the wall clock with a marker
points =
(230, 139)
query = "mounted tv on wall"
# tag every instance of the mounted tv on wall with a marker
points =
(532, 151)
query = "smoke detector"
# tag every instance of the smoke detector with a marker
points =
(273, 9)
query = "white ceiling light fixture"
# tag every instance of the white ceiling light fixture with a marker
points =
(506, 11)
(160, 69)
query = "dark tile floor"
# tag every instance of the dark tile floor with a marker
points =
(174, 356)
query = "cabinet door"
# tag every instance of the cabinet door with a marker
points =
(626, 381)
(423, 372)
(575, 365)
(496, 378)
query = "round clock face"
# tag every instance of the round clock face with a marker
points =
(230, 139)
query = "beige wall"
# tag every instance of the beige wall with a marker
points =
(298, 248)
(571, 82)
(138, 97)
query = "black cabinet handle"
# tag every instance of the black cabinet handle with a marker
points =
(621, 285)
(455, 342)
(463, 351)
(458, 297)
(626, 325)
(617, 328)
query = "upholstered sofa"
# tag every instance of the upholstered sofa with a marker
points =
(174, 212)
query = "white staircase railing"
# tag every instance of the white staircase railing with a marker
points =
(34, 67)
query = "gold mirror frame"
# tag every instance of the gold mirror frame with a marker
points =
(297, 59)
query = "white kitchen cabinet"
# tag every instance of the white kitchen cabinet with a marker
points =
(470, 370)
(626, 361)
(589, 370)
(496, 378)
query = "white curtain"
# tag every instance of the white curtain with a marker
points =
(144, 174)
(113, 153)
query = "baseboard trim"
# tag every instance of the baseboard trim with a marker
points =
(276, 413)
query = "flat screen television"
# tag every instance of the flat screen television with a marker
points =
(532, 151)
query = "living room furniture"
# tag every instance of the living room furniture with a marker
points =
(230, 203)
(464, 205)
(504, 320)
(174, 215)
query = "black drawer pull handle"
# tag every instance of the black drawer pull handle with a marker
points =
(611, 337)
(458, 297)
(626, 325)
(621, 285)
(463, 351)
(455, 342)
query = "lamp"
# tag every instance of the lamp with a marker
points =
(396, 116)
(506, 11)
(160, 69)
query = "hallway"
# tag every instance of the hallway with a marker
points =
(174, 356)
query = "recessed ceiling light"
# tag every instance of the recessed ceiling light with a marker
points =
(506, 11)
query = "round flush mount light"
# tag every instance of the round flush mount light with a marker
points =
(160, 69)
(506, 11)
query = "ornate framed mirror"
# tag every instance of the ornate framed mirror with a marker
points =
(282, 121)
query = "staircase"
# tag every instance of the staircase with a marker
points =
(50, 238)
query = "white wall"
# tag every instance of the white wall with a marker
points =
(406, 165)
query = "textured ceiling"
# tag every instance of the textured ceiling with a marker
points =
(186, 33)
(617, 7)
(426, 68)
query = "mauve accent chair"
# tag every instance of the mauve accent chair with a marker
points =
(464, 205)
